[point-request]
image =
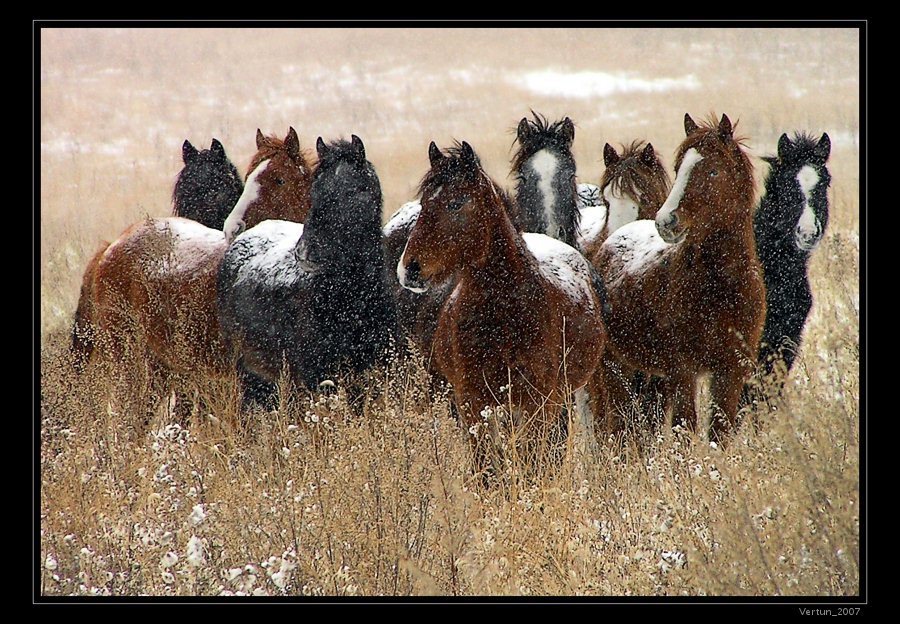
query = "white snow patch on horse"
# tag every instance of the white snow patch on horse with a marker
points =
(637, 246)
(407, 215)
(272, 261)
(186, 245)
(591, 223)
(562, 265)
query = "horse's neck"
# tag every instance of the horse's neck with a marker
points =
(726, 252)
(504, 266)
(552, 210)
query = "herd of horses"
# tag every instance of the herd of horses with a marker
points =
(639, 287)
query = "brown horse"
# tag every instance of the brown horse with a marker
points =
(524, 312)
(152, 292)
(633, 186)
(686, 291)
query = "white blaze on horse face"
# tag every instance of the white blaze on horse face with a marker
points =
(665, 218)
(622, 208)
(234, 224)
(544, 164)
(401, 274)
(808, 226)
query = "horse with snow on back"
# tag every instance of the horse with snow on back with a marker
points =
(686, 290)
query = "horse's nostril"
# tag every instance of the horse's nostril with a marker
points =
(412, 271)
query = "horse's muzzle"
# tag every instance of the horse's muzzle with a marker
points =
(410, 277)
(669, 231)
(304, 261)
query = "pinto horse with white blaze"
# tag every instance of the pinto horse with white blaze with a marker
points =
(633, 186)
(686, 290)
(788, 224)
(313, 296)
(524, 313)
(152, 292)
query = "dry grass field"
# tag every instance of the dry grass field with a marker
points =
(312, 499)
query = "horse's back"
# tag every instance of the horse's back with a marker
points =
(159, 277)
(631, 252)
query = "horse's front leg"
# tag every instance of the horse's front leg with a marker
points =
(678, 392)
(726, 393)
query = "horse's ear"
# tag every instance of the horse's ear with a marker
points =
(823, 149)
(188, 152)
(292, 143)
(321, 148)
(523, 130)
(689, 125)
(468, 155)
(217, 149)
(610, 155)
(434, 154)
(358, 146)
(260, 139)
(568, 131)
(785, 147)
(725, 129)
(648, 155)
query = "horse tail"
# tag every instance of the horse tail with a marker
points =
(600, 288)
(84, 326)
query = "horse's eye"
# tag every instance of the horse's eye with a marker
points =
(713, 173)
(279, 181)
(458, 203)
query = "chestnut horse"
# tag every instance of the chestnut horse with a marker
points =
(208, 186)
(633, 186)
(545, 202)
(314, 296)
(524, 312)
(686, 291)
(152, 292)
(788, 224)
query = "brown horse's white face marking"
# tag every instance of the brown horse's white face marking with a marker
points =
(235, 223)
(668, 223)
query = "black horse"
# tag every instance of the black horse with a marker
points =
(544, 168)
(314, 296)
(208, 186)
(789, 222)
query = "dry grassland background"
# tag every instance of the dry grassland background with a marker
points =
(311, 500)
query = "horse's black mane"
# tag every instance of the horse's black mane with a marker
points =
(542, 135)
(447, 169)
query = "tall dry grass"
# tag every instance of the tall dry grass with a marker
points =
(314, 498)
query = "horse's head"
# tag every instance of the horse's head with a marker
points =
(634, 184)
(208, 185)
(344, 223)
(277, 185)
(798, 185)
(453, 228)
(545, 173)
(713, 187)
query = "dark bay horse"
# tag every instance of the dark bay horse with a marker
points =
(314, 295)
(686, 290)
(150, 295)
(207, 187)
(524, 312)
(788, 224)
